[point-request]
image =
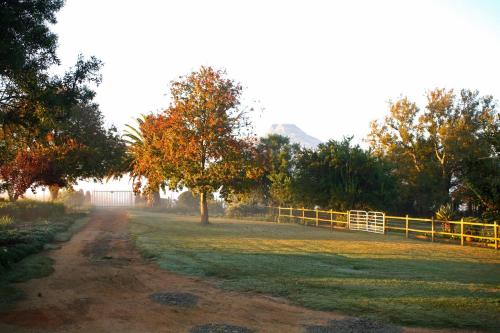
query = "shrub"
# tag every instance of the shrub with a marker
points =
(243, 210)
(445, 214)
(31, 210)
(73, 199)
(5, 222)
(17, 243)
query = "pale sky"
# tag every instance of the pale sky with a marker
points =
(327, 66)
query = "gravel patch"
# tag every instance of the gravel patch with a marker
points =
(220, 328)
(177, 299)
(354, 325)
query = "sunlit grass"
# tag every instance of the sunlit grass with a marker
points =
(387, 277)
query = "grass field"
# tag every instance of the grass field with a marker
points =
(386, 277)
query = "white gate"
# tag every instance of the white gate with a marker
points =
(113, 198)
(367, 221)
(357, 219)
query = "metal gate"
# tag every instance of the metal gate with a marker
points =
(357, 219)
(113, 198)
(366, 221)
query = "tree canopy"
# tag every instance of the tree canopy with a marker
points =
(343, 176)
(203, 140)
(141, 161)
(446, 152)
(51, 131)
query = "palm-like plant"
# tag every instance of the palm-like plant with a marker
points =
(446, 213)
(134, 136)
(138, 148)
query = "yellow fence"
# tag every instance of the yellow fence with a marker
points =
(468, 233)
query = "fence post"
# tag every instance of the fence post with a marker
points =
(291, 213)
(331, 220)
(462, 231)
(432, 228)
(495, 233)
(303, 216)
(385, 224)
(406, 226)
(279, 214)
(317, 221)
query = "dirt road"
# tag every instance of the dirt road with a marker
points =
(101, 284)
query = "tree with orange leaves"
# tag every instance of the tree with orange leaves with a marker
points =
(140, 160)
(34, 166)
(203, 141)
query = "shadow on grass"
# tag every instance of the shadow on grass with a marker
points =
(269, 231)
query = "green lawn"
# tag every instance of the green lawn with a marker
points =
(390, 278)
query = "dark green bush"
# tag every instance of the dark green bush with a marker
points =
(244, 210)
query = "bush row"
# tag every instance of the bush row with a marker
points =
(27, 210)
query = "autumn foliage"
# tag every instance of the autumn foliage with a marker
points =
(34, 166)
(202, 141)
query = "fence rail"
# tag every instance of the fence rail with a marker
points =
(469, 233)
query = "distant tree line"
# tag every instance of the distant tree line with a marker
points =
(419, 160)
(440, 159)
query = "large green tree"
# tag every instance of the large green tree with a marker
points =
(274, 185)
(342, 176)
(25, 37)
(51, 131)
(27, 46)
(278, 156)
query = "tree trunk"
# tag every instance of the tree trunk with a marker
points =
(12, 196)
(153, 199)
(156, 198)
(54, 192)
(203, 208)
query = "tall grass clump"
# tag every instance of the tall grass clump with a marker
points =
(5, 222)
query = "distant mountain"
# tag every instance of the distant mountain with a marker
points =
(295, 134)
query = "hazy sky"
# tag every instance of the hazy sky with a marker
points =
(328, 66)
